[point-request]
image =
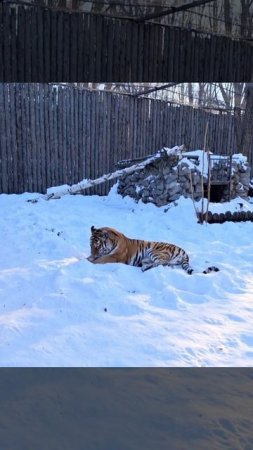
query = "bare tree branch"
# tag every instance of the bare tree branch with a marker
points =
(173, 10)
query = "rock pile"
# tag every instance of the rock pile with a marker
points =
(173, 175)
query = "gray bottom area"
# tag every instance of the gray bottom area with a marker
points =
(123, 409)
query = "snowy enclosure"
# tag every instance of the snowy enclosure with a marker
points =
(57, 309)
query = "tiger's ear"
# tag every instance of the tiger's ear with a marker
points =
(92, 229)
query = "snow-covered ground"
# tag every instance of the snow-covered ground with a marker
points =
(58, 309)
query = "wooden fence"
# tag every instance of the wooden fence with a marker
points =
(52, 135)
(43, 45)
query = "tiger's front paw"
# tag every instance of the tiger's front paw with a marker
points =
(91, 258)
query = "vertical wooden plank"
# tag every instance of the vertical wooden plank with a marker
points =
(42, 39)
(59, 120)
(19, 138)
(99, 49)
(39, 162)
(165, 54)
(131, 134)
(182, 63)
(229, 61)
(48, 53)
(100, 145)
(114, 50)
(212, 57)
(160, 33)
(116, 130)
(57, 137)
(24, 127)
(107, 134)
(72, 144)
(128, 126)
(177, 55)
(196, 56)
(66, 38)
(90, 70)
(153, 50)
(76, 115)
(80, 132)
(87, 119)
(45, 137)
(14, 75)
(144, 125)
(129, 54)
(189, 56)
(93, 149)
(206, 58)
(80, 45)
(67, 136)
(64, 140)
(27, 131)
(147, 58)
(86, 37)
(6, 42)
(238, 69)
(55, 99)
(2, 6)
(110, 51)
(135, 100)
(3, 142)
(171, 54)
(73, 46)
(27, 52)
(83, 135)
(33, 144)
(8, 154)
(60, 49)
(20, 44)
(140, 57)
(122, 70)
(13, 143)
(34, 44)
(119, 152)
(52, 44)
(138, 124)
(133, 51)
(104, 139)
(37, 149)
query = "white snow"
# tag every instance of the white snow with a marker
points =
(58, 309)
(202, 158)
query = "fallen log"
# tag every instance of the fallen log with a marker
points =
(59, 191)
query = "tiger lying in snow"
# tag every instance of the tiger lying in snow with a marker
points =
(110, 246)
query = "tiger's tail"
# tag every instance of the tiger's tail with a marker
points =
(186, 266)
(211, 269)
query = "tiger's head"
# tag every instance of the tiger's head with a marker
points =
(102, 242)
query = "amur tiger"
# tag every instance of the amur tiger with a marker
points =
(110, 246)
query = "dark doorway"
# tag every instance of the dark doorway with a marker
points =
(217, 192)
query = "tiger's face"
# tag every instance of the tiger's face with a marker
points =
(100, 242)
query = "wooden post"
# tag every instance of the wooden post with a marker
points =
(202, 176)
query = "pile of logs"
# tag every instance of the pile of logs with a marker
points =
(237, 216)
